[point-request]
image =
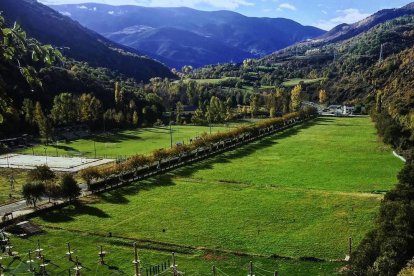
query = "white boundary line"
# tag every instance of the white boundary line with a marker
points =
(399, 156)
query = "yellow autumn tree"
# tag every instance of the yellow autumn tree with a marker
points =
(323, 96)
(118, 93)
(295, 97)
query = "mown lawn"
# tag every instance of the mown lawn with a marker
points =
(332, 154)
(293, 82)
(120, 256)
(20, 178)
(237, 217)
(125, 143)
(210, 81)
(302, 193)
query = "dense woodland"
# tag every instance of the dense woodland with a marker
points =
(43, 90)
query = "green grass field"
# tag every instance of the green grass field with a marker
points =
(120, 256)
(209, 81)
(20, 177)
(125, 143)
(298, 194)
(293, 82)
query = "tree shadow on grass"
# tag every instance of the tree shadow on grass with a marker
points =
(70, 212)
(63, 147)
(114, 138)
(244, 151)
(114, 197)
(119, 195)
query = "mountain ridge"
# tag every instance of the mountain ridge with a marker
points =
(346, 31)
(252, 36)
(78, 42)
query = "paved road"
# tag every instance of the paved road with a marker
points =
(16, 206)
(21, 205)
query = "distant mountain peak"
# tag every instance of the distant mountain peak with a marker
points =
(51, 27)
(181, 36)
(346, 31)
(409, 6)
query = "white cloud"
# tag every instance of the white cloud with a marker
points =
(228, 4)
(287, 6)
(83, 7)
(348, 16)
(66, 14)
(111, 12)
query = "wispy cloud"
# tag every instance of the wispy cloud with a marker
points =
(348, 16)
(287, 6)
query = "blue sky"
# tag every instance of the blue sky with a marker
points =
(324, 14)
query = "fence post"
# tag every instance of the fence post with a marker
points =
(251, 269)
(174, 266)
(136, 261)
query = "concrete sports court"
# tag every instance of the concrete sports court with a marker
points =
(61, 164)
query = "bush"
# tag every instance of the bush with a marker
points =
(52, 191)
(89, 174)
(41, 173)
(69, 187)
(32, 192)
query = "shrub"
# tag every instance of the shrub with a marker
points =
(32, 192)
(69, 187)
(89, 174)
(41, 173)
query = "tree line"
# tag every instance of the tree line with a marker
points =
(43, 182)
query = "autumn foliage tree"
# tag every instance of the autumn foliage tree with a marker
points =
(295, 98)
(323, 96)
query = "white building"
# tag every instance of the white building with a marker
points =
(347, 110)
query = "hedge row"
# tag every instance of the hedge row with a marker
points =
(95, 177)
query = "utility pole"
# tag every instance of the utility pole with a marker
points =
(214, 270)
(381, 58)
(94, 147)
(171, 136)
(275, 274)
(136, 261)
(46, 155)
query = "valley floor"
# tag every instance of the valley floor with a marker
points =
(277, 202)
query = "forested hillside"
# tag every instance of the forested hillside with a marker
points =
(359, 70)
(41, 89)
(79, 43)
